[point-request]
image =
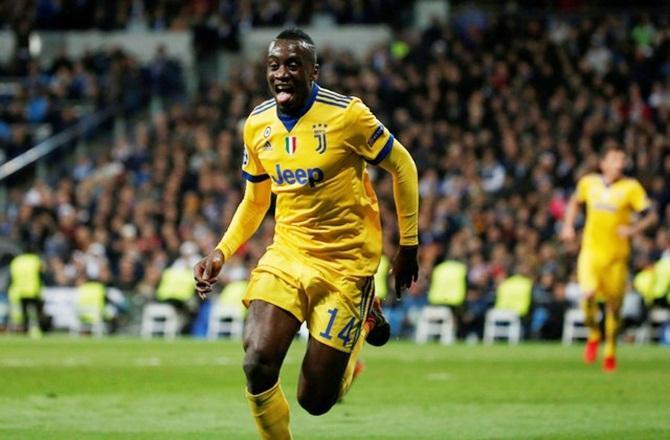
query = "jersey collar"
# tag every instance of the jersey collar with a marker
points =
(609, 185)
(290, 121)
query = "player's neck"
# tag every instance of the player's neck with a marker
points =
(292, 111)
(299, 107)
(608, 180)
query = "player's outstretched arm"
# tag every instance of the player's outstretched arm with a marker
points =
(244, 224)
(568, 228)
(406, 195)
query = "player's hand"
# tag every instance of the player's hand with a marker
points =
(589, 295)
(405, 268)
(567, 233)
(625, 231)
(205, 272)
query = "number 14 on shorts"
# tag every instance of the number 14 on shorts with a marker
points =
(345, 334)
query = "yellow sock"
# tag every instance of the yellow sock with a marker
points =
(611, 331)
(591, 319)
(348, 376)
(270, 411)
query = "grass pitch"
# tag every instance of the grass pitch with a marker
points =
(59, 388)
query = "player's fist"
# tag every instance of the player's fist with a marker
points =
(205, 272)
(567, 233)
(405, 268)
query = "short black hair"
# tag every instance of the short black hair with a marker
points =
(297, 34)
(611, 145)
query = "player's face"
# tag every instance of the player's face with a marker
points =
(290, 74)
(613, 164)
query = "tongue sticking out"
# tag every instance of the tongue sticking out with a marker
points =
(284, 97)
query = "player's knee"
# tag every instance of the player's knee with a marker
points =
(314, 404)
(260, 369)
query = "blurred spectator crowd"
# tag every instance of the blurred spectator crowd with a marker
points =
(502, 115)
(56, 96)
(177, 15)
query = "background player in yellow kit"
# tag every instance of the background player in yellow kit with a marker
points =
(602, 266)
(310, 146)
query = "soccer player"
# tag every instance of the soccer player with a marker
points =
(602, 266)
(310, 146)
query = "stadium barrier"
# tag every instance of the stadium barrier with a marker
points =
(47, 146)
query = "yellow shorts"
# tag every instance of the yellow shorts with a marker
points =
(605, 276)
(334, 306)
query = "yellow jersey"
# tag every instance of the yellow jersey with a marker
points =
(607, 208)
(326, 209)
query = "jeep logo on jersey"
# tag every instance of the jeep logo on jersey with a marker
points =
(309, 176)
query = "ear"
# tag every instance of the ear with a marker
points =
(315, 72)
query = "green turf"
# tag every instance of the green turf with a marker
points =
(59, 388)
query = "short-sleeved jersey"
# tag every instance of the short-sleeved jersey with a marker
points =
(326, 210)
(607, 208)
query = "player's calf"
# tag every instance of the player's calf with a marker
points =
(318, 390)
(316, 405)
(320, 377)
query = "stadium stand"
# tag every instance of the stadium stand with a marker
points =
(47, 100)
(219, 19)
(501, 113)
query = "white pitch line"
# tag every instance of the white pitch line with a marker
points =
(16, 362)
(438, 376)
(148, 362)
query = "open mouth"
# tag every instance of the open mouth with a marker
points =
(284, 93)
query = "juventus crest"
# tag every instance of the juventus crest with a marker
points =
(320, 135)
